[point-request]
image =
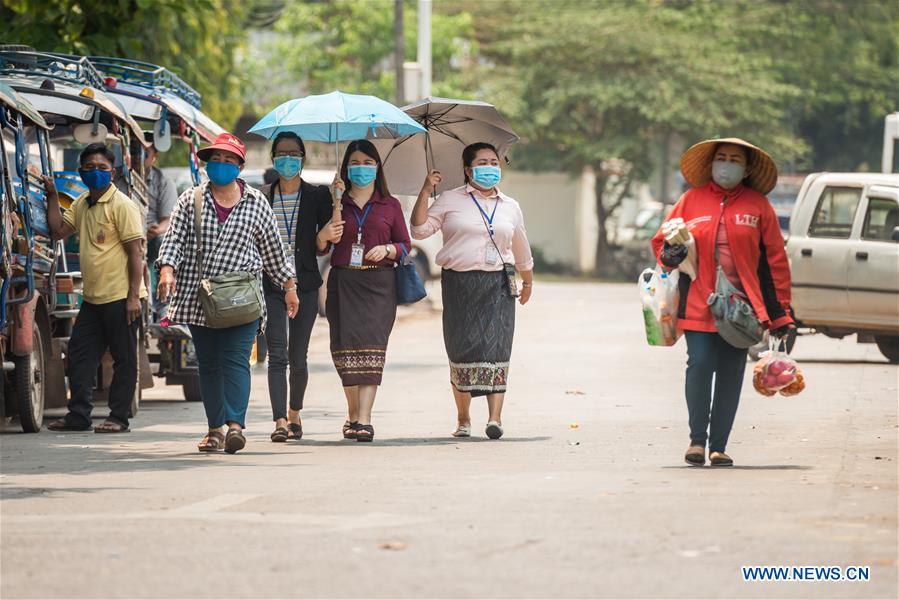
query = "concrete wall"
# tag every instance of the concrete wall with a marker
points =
(560, 214)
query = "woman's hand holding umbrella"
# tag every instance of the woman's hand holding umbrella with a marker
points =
(338, 187)
(432, 180)
(333, 231)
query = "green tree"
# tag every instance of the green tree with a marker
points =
(348, 45)
(602, 85)
(197, 39)
(844, 58)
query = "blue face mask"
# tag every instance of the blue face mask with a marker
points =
(486, 176)
(362, 175)
(288, 166)
(222, 173)
(96, 179)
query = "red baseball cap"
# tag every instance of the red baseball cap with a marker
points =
(227, 142)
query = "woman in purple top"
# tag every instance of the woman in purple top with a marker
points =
(361, 303)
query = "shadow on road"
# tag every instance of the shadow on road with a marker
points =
(839, 361)
(743, 468)
(418, 441)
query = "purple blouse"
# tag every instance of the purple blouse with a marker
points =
(384, 224)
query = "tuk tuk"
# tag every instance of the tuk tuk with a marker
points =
(28, 266)
(68, 93)
(171, 108)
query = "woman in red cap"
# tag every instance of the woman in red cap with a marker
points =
(738, 245)
(238, 233)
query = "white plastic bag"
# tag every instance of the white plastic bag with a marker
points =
(660, 298)
(777, 372)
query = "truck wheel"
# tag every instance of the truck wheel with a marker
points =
(191, 389)
(889, 347)
(29, 383)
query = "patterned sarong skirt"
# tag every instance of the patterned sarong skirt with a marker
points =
(478, 325)
(361, 310)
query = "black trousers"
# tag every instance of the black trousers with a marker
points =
(98, 327)
(288, 345)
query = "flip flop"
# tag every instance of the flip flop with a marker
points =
(108, 426)
(63, 425)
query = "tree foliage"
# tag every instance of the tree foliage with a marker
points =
(197, 39)
(349, 45)
(604, 84)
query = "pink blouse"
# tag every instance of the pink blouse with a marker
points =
(726, 257)
(465, 233)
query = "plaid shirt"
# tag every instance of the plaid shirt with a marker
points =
(248, 240)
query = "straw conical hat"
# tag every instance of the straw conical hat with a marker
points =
(696, 164)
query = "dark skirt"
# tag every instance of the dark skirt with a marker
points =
(478, 325)
(361, 309)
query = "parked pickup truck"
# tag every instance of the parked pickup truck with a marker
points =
(844, 255)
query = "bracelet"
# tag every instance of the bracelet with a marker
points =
(290, 289)
(525, 284)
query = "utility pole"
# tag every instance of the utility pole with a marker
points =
(399, 52)
(424, 46)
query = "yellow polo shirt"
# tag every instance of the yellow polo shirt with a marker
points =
(103, 229)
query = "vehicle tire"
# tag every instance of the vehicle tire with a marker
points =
(889, 347)
(191, 389)
(29, 378)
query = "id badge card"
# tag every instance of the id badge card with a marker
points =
(357, 254)
(492, 256)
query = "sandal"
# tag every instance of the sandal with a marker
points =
(365, 433)
(63, 425)
(211, 442)
(462, 430)
(720, 459)
(296, 431)
(234, 441)
(349, 430)
(109, 426)
(279, 435)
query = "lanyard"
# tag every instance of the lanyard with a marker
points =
(489, 219)
(288, 224)
(360, 222)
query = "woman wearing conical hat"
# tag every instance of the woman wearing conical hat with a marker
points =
(734, 227)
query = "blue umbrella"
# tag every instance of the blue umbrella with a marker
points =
(337, 117)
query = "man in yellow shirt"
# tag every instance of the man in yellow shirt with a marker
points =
(111, 237)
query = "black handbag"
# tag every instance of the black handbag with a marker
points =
(409, 286)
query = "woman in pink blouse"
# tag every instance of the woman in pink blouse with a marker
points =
(484, 241)
(361, 302)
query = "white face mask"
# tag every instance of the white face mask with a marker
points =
(727, 174)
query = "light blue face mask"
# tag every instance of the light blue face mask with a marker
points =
(288, 167)
(362, 175)
(486, 176)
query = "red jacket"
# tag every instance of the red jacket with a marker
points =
(757, 245)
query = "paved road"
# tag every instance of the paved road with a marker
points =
(587, 496)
